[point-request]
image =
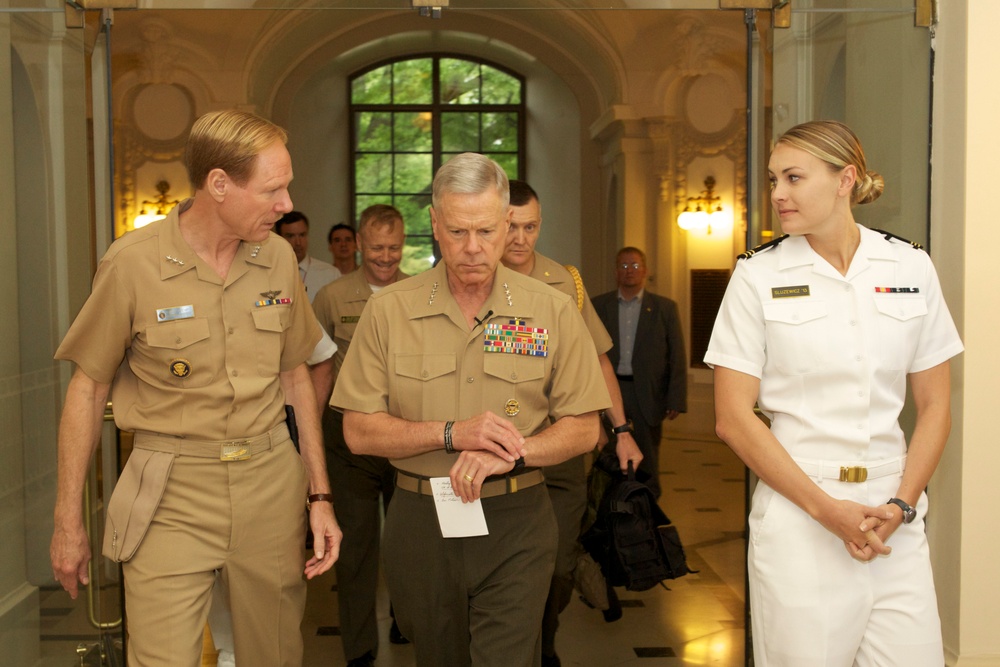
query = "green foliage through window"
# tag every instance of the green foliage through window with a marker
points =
(409, 116)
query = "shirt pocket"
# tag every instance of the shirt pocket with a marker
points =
(177, 353)
(798, 335)
(901, 317)
(270, 323)
(430, 378)
(515, 388)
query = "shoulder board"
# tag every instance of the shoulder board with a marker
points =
(763, 246)
(578, 282)
(889, 236)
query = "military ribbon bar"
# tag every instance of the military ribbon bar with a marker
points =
(272, 302)
(516, 338)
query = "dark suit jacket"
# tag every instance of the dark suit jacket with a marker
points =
(659, 363)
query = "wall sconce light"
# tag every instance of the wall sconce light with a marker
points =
(162, 205)
(697, 213)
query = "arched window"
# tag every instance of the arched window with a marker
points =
(410, 116)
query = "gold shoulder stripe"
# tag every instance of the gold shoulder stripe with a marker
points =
(889, 236)
(578, 281)
(763, 246)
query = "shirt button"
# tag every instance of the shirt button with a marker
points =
(235, 373)
(230, 330)
(858, 358)
(853, 322)
(470, 379)
(178, 341)
(513, 376)
(424, 374)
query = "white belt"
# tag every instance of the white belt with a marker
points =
(820, 470)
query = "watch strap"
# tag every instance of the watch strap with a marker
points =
(909, 514)
(319, 498)
(627, 426)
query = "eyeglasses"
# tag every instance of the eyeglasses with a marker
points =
(626, 266)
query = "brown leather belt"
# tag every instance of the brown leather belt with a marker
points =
(224, 450)
(492, 487)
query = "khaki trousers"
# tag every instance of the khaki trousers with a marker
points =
(245, 519)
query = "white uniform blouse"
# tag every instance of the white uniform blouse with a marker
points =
(832, 352)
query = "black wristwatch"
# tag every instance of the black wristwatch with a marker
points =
(909, 514)
(626, 427)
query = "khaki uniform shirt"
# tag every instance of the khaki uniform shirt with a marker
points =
(192, 354)
(555, 274)
(338, 308)
(414, 357)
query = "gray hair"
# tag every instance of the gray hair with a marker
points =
(470, 174)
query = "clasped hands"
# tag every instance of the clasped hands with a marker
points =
(487, 445)
(865, 530)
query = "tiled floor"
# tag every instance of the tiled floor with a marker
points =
(699, 621)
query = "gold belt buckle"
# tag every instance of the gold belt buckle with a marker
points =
(238, 450)
(853, 474)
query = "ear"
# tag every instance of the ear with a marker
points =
(848, 177)
(217, 184)
(434, 225)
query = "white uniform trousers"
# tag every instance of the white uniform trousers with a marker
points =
(812, 604)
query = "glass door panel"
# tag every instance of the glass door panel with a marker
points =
(48, 80)
(865, 63)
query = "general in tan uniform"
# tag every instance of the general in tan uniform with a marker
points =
(361, 483)
(199, 326)
(420, 386)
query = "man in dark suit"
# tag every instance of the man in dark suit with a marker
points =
(648, 356)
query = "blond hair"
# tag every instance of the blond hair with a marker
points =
(834, 143)
(379, 215)
(229, 140)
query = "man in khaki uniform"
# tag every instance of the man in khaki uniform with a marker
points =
(470, 377)
(566, 482)
(359, 481)
(208, 314)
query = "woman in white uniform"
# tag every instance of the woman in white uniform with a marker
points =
(821, 329)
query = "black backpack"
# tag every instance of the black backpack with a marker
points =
(632, 539)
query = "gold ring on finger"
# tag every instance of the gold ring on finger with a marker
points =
(468, 478)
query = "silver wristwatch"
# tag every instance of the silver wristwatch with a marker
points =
(909, 514)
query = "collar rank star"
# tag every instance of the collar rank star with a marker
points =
(516, 338)
(271, 299)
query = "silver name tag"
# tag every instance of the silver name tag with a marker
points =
(176, 313)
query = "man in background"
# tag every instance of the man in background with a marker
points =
(343, 243)
(648, 356)
(315, 273)
(359, 481)
(566, 482)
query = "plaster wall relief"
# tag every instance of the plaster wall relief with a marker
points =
(157, 99)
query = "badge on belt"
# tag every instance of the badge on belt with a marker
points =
(516, 338)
